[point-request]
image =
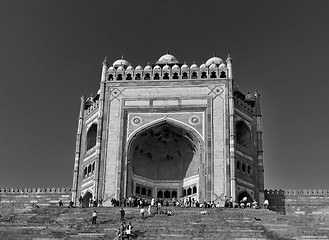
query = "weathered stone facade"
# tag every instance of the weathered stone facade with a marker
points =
(169, 130)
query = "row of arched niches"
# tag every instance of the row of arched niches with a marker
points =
(167, 67)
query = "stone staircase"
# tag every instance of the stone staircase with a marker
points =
(53, 222)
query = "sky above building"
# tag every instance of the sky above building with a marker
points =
(51, 53)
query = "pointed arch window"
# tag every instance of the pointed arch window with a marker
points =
(138, 76)
(147, 76)
(129, 76)
(119, 77)
(91, 136)
(203, 75)
(194, 75)
(160, 194)
(156, 76)
(222, 74)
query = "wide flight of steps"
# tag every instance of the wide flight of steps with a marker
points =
(53, 222)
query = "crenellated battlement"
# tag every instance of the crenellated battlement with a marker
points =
(298, 201)
(35, 190)
(310, 192)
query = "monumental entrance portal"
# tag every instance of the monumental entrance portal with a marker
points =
(169, 130)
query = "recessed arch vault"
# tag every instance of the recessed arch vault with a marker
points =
(163, 152)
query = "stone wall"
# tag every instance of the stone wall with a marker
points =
(39, 196)
(299, 202)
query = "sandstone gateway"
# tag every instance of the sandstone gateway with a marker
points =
(169, 130)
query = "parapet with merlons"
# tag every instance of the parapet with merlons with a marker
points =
(35, 190)
(298, 201)
(167, 72)
(307, 192)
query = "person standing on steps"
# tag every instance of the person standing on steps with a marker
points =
(94, 218)
(142, 212)
(80, 201)
(129, 228)
(122, 214)
(231, 202)
(266, 203)
(149, 210)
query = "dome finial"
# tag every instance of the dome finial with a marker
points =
(122, 57)
(105, 61)
(168, 51)
(229, 59)
(214, 54)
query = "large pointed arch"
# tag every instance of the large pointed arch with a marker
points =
(162, 154)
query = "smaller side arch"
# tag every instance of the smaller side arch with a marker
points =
(245, 194)
(242, 134)
(91, 136)
(86, 199)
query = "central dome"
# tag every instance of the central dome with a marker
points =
(167, 58)
(215, 60)
(121, 62)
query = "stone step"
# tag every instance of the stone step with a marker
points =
(310, 237)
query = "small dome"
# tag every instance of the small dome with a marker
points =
(203, 65)
(130, 68)
(212, 66)
(157, 67)
(221, 66)
(167, 58)
(249, 97)
(139, 67)
(111, 69)
(166, 68)
(148, 68)
(90, 100)
(120, 62)
(194, 66)
(215, 60)
(185, 67)
(175, 67)
(120, 68)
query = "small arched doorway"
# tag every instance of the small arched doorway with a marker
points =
(245, 194)
(86, 199)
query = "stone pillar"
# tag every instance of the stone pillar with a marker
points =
(231, 130)
(100, 119)
(78, 151)
(259, 148)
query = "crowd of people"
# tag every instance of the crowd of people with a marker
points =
(124, 232)
(157, 206)
(186, 202)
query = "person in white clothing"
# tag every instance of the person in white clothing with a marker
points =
(266, 203)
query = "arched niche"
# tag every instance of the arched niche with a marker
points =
(86, 199)
(164, 152)
(245, 194)
(91, 136)
(243, 134)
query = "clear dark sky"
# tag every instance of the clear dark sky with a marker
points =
(51, 53)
